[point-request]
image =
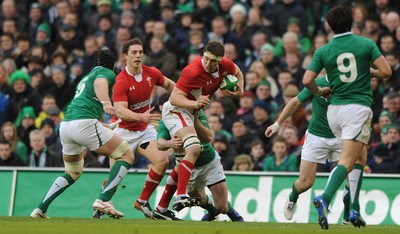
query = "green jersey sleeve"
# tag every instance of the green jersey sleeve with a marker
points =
(162, 131)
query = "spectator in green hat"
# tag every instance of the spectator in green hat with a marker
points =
(44, 36)
(385, 119)
(19, 75)
(22, 95)
(394, 145)
(269, 60)
(26, 112)
(25, 123)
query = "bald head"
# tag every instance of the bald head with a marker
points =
(392, 21)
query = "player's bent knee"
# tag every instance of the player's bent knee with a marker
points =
(120, 150)
(191, 140)
(74, 169)
(222, 208)
(305, 185)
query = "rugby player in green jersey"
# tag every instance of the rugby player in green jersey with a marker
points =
(81, 129)
(347, 59)
(320, 145)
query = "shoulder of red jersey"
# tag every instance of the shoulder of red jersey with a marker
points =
(228, 65)
(123, 73)
(151, 70)
(193, 68)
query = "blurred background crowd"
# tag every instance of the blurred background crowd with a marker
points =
(46, 47)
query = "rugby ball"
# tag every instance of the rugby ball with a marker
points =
(229, 83)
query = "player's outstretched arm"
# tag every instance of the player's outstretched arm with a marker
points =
(101, 90)
(287, 111)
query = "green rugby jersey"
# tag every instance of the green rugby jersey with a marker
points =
(347, 59)
(207, 153)
(85, 104)
(319, 122)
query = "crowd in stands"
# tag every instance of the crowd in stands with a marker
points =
(46, 47)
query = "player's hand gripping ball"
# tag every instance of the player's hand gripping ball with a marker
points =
(229, 83)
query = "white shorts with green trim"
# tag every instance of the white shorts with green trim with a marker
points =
(319, 149)
(76, 135)
(206, 175)
(350, 122)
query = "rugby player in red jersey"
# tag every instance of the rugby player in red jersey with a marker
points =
(197, 83)
(132, 98)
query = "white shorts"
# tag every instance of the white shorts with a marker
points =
(206, 175)
(76, 135)
(136, 138)
(176, 118)
(319, 149)
(350, 122)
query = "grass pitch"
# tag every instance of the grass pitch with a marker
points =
(25, 225)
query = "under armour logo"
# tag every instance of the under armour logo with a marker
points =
(131, 88)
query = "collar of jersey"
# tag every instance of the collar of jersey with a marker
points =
(342, 34)
(137, 77)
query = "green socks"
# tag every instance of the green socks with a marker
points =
(58, 187)
(117, 173)
(210, 207)
(336, 178)
(294, 195)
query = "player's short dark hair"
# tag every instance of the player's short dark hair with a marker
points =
(163, 98)
(340, 18)
(104, 58)
(134, 41)
(5, 142)
(215, 48)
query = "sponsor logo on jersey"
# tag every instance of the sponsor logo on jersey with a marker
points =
(149, 80)
(139, 105)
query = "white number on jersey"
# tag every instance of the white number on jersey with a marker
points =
(80, 88)
(351, 67)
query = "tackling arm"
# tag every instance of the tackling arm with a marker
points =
(202, 131)
(163, 144)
